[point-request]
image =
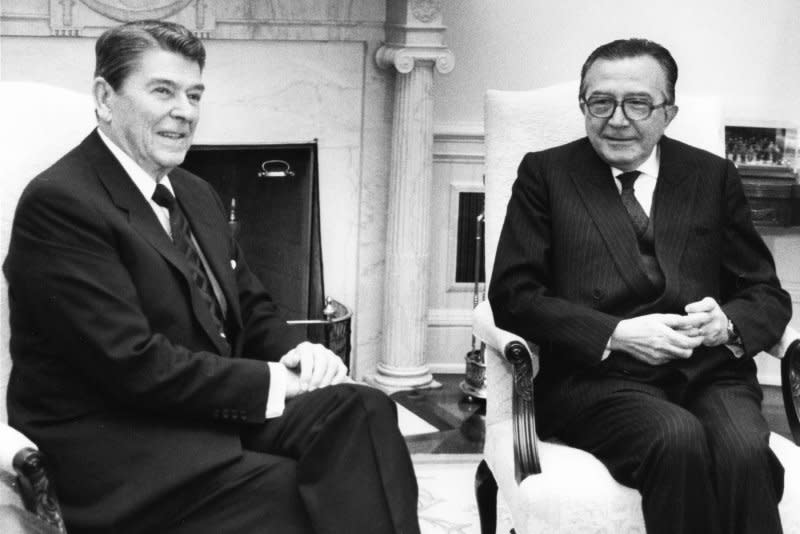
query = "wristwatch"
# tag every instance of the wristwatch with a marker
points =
(733, 335)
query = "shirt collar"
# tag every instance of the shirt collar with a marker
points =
(649, 167)
(143, 181)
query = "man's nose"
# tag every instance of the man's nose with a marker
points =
(618, 118)
(184, 108)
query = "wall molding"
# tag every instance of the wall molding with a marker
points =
(465, 131)
(473, 159)
(456, 188)
(449, 317)
(324, 20)
(461, 142)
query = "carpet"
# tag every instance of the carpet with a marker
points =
(446, 495)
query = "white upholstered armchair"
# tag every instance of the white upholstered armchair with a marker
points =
(549, 487)
(40, 124)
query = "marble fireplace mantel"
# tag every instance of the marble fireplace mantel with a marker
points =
(354, 75)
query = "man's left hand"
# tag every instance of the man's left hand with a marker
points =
(709, 322)
(313, 366)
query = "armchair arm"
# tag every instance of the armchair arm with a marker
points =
(19, 455)
(788, 350)
(524, 361)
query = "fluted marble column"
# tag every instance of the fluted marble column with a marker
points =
(414, 49)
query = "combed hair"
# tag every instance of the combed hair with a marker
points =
(118, 49)
(635, 47)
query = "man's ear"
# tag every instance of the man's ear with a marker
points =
(672, 111)
(103, 94)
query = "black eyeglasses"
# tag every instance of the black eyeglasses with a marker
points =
(634, 109)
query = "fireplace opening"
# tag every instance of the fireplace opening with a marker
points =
(271, 194)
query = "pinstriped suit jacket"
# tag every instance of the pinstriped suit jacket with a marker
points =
(567, 268)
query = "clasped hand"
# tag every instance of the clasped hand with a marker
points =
(312, 366)
(662, 337)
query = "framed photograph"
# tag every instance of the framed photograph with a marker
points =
(763, 151)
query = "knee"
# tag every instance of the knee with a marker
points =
(747, 455)
(682, 442)
(373, 400)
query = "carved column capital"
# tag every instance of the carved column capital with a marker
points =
(404, 58)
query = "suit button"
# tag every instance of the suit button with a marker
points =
(226, 414)
(215, 414)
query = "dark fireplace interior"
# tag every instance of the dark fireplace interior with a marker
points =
(272, 197)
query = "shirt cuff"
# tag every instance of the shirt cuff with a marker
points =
(737, 350)
(607, 351)
(276, 398)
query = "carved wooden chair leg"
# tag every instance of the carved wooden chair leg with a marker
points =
(38, 494)
(790, 383)
(486, 495)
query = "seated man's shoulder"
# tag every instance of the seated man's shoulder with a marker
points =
(558, 156)
(672, 148)
(188, 178)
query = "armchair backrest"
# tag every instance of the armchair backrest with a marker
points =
(517, 122)
(40, 124)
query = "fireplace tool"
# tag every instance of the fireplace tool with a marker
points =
(474, 383)
(336, 328)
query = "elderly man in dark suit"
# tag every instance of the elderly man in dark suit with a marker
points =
(632, 260)
(150, 364)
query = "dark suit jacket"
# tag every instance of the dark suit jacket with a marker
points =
(568, 269)
(118, 375)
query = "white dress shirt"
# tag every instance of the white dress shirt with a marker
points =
(276, 397)
(645, 184)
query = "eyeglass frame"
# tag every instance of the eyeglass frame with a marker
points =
(621, 103)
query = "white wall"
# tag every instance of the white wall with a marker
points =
(747, 53)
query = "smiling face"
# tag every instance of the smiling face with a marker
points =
(153, 115)
(620, 142)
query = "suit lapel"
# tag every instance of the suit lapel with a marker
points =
(595, 185)
(127, 197)
(673, 206)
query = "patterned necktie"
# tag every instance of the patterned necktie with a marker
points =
(635, 211)
(182, 238)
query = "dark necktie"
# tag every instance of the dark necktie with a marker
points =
(182, 238)
(635, 211)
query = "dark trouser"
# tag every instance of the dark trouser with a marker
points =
(336, 463)
(699, 455)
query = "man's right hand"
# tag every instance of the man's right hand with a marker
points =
(657, 338)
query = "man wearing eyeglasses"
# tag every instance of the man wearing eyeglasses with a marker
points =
(632, 260)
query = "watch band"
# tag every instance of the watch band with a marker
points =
(733, 335)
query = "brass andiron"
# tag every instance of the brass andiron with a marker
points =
(233, 220)
(336, 328)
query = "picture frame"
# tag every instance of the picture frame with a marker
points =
(763, 151)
